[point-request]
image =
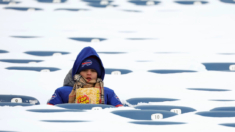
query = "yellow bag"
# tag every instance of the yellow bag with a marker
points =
(88, 96)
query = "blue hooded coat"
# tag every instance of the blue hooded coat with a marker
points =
(61, 94)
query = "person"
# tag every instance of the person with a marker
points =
(87, 66)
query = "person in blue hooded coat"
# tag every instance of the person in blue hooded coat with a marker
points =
(89, 66)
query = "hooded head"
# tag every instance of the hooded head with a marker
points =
(91, 63)
(88, 59)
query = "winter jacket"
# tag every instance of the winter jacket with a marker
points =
(61, 94)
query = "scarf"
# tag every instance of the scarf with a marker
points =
(80, 82)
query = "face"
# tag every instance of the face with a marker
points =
(89, 74)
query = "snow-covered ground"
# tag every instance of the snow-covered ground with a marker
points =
(166, 36)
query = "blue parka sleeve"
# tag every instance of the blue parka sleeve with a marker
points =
(112, 98)
(56, 98)
(61, 95)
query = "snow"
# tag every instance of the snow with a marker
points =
(164, 36)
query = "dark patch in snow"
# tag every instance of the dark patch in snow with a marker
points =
(8, 2)
(45, 53)
(38, 69)
(52, 110)
(95, 1)
(142, 114)
(217, 113)
(135, 101)
(23, 8)
(83, 106)
(220, 100)
(51, 1)
(228, 124)
(14, 104)
(190, 2)
(25, 99)
(19, 60)
(144, 2)
(101, 6)
(87, 39)
(24, 36)
(165, 107)
(71, 9)
(170, 71)
(228, 1)
(224, 109)
(218, 66)
(209, 89)
(98, 2)
(3, 51)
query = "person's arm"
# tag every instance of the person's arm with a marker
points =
(55, 99)
(114, 100)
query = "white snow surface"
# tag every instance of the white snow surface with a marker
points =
(194, 34)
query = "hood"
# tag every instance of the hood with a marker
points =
(85, 53)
